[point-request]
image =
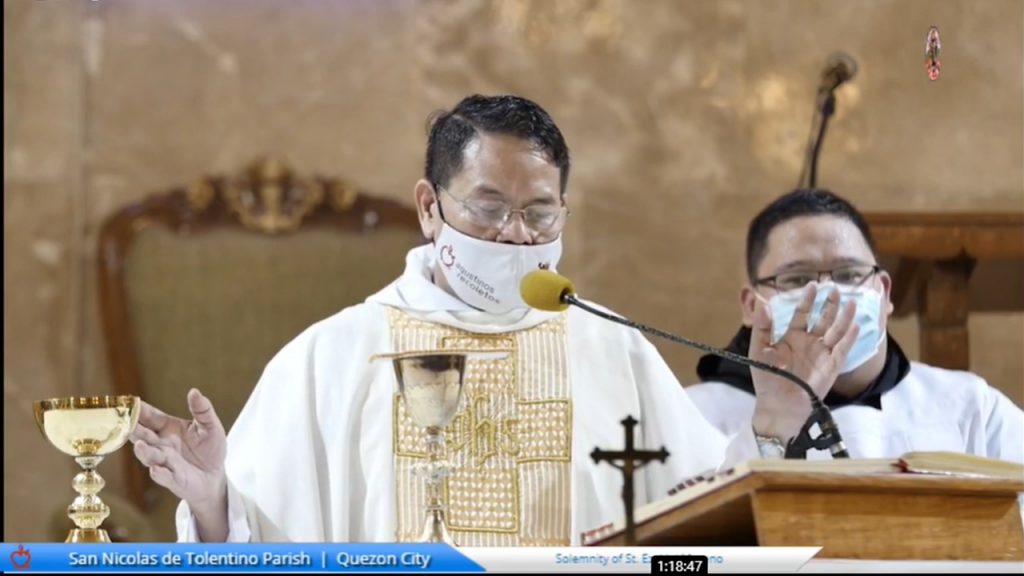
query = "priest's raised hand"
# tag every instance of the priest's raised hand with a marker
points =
(187, 457)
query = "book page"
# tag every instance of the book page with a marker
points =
(963, 465)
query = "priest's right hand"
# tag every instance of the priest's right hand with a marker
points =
(187, 457)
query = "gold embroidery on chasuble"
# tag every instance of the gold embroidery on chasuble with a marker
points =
(509, 445)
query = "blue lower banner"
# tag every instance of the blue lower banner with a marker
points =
(235, 558)
(394, 558)
(406, 558)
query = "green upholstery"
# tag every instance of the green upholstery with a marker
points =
(209, 310)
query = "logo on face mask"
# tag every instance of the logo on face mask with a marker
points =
(486, 274)
(447, 256)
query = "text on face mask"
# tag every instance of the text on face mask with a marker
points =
(475, 283)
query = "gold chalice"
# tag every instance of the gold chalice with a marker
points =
(87, 428)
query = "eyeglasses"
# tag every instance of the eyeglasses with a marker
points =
(846, 275)
(492, 214)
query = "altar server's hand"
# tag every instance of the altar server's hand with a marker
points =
(187, 457)
(815, 356)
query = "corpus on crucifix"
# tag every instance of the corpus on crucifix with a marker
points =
(631, 459)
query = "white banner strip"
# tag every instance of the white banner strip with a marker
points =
(829, 565)
(637, 560)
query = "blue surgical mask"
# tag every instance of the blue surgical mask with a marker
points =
(868, 317)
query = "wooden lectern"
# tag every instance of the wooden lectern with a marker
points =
(881, 516)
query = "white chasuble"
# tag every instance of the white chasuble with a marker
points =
(509, 446)
(323, 451)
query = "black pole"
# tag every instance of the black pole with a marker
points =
(828, 108)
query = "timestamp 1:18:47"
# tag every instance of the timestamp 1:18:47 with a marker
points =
(679, 565)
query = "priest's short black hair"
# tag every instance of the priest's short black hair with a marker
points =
(450, 132)
(800, 202)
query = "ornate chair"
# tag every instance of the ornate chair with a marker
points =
(200, 287)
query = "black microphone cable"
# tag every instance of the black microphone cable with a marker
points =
(829, 438)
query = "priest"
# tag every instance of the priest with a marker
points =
(324, 450)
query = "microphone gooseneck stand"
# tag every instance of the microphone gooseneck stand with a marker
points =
(829, 438)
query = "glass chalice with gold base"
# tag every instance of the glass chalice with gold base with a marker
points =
(430, 383)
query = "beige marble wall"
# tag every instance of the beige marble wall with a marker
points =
(43, 249)
(683, 117)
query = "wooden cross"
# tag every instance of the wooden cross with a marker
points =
(630, 458)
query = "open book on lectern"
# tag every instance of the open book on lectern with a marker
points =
(951, 464)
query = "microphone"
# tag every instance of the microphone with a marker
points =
(552, 292)
(546, 290)
(839, 67)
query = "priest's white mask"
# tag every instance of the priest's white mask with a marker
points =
(486, 274)
(867, 317)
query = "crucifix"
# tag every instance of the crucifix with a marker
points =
(631, 460)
